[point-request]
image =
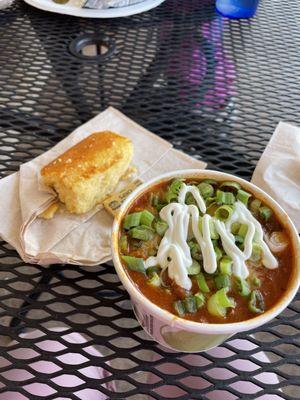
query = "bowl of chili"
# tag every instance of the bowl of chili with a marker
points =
(204, 255)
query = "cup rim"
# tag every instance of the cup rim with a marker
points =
(200, 327)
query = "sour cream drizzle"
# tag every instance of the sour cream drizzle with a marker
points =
(174, 253)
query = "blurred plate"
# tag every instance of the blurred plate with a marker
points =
(49, 5)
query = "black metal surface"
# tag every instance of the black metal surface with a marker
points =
(216, 89)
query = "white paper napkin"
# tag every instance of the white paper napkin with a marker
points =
(69, 238)
(278, 170)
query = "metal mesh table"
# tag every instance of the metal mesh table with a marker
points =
(216, 89)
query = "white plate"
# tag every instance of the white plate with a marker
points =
(49, 5)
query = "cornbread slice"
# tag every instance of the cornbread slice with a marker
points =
(89, 171)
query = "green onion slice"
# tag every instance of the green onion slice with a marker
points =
(222, 281)
(141, 232)
(195, 250)
(243, 196)
(189, 199)
(230, 185)
(265, 213)
(218, 303)
(210, 181)
(242, 287)
(176, 185)
(206, 190)
(124, 243)
(161, 227)
(256, 303)
(146, 218)
(256, 281)
(223, 213)
(132, 220)
(190, 304)
(200, 300)
(153, 270)
(179, 308)
(194, 269)
(235, 228)
(170, 196)
(239, 239)
(159, 206)
(243, 230)
(202, 283)
(226, 265)
(255, 205)
(153, 199)
(218, 252)
(225, 197)
(256, 253)
(135, 264)
(213, 231)
(154, 280)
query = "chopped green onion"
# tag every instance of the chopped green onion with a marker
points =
(124, 243)
(226, 265)
(179, 308)
(222, 281)
(189, 199)
(146, 218)
(153, 270)
(225, 197)
(161, 227)
(218, 303)
(132, 220)
(243, 230)
(141, 232)
(154, 280)
(176, 185)
(223, 213)
(206, 190)
(159, 206)
(231, 185)
(170, 196)
(194, 269)
(239, 239)
(255, 205)
(135, 264)
(265, 213)
(235, 228)
(218, 252)
(256, 303)
(200, 300)
(210, 181)
(256, 281)
(213, 232)
(256, 253)
(224, 300)
(153, 199)
(209, 201)
(195, 250)
(243, 196)
(242, 287)
(202, 283)
(190, 304)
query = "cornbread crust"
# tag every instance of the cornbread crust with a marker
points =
(89, 171)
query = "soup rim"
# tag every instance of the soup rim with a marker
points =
(212, 328)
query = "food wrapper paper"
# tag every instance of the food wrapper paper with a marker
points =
(69, 238)
(278, 170)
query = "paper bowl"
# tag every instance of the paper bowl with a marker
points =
(188, 336)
